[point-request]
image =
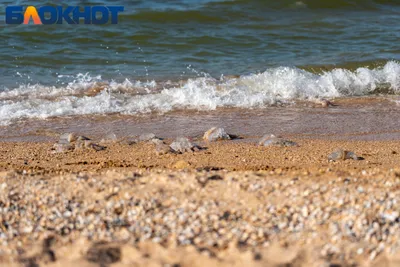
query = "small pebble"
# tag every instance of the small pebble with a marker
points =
(216, 134)
(341, 154)
(67, 138)
(62, 148)
(182, 145)
(272, 140)
(162, 149)
(147, 137)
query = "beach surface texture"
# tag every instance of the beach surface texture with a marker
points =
(201, 133)
(227, 203)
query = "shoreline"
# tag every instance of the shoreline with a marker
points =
(352, 118)
(210, 133)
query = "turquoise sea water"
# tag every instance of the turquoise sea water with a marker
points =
(282, 50)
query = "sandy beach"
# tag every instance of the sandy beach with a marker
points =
(200, 133)
(233, 203)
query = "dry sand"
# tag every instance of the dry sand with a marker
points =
(231, 204)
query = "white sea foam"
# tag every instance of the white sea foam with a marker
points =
(206, 93)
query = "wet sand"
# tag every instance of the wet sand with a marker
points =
(231, 204)
(363, 118)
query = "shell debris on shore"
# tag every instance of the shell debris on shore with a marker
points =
(244, 210)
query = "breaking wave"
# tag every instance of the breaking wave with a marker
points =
(91, 95)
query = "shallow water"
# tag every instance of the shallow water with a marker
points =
(170, 39)
(179, 55)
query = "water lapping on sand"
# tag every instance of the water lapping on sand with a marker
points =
(87, 94)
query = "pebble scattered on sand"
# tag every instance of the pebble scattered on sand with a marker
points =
(182, 145)
(157, 141)
(162, 148)
(339, 219)
(67, 138)
(272, 140)
(216, 134)
(70, 141)
(129, 140)
(62, 148)
(340, 154)
(147, 137)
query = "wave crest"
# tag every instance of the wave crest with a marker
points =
(90, 95)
